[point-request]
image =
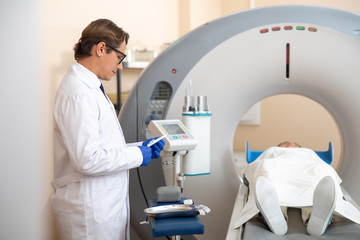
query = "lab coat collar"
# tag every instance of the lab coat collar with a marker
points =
(88, 77)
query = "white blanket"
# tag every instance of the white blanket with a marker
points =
(294, 172)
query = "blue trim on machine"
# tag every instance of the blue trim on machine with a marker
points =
(197, 114)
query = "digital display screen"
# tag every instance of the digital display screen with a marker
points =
(163, 93)
(173, 129)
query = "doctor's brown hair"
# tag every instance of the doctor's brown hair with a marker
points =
(98, 31)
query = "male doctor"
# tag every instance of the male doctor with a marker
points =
(91, 157)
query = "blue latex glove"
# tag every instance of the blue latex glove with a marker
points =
(155, 148)
(146, 152)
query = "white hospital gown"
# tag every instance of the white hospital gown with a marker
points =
(294, 172)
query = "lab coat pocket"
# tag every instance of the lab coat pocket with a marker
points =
(109, 205)
(70, 217)
(69, 225)
(63, 221)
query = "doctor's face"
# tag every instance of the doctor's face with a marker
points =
(110, 63)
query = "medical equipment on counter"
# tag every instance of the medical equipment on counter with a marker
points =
(305, 50)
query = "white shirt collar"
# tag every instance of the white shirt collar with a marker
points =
(88, 77)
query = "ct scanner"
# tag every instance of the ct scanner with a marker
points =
(237, 61)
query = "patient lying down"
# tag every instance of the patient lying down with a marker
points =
(291, 176)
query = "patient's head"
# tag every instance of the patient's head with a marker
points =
(289, 144)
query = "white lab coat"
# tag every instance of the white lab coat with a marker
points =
(294, 172)
(89, 144)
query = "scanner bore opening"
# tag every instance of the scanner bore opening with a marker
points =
(289, 117)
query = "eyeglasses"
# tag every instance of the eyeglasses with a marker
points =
(122, 55)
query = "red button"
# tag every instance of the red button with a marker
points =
(276, 28)
(288, 27)
(265, 30)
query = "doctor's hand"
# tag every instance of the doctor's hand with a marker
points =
(146, 152)
(155, 148)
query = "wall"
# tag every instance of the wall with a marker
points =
(22, 174)
(350, 5)
(150, 24)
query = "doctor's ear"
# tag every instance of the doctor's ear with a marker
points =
(100, 48)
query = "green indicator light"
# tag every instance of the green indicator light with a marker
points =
(300, 28)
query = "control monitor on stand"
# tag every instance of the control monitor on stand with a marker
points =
(171, 214)
(178, 142)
